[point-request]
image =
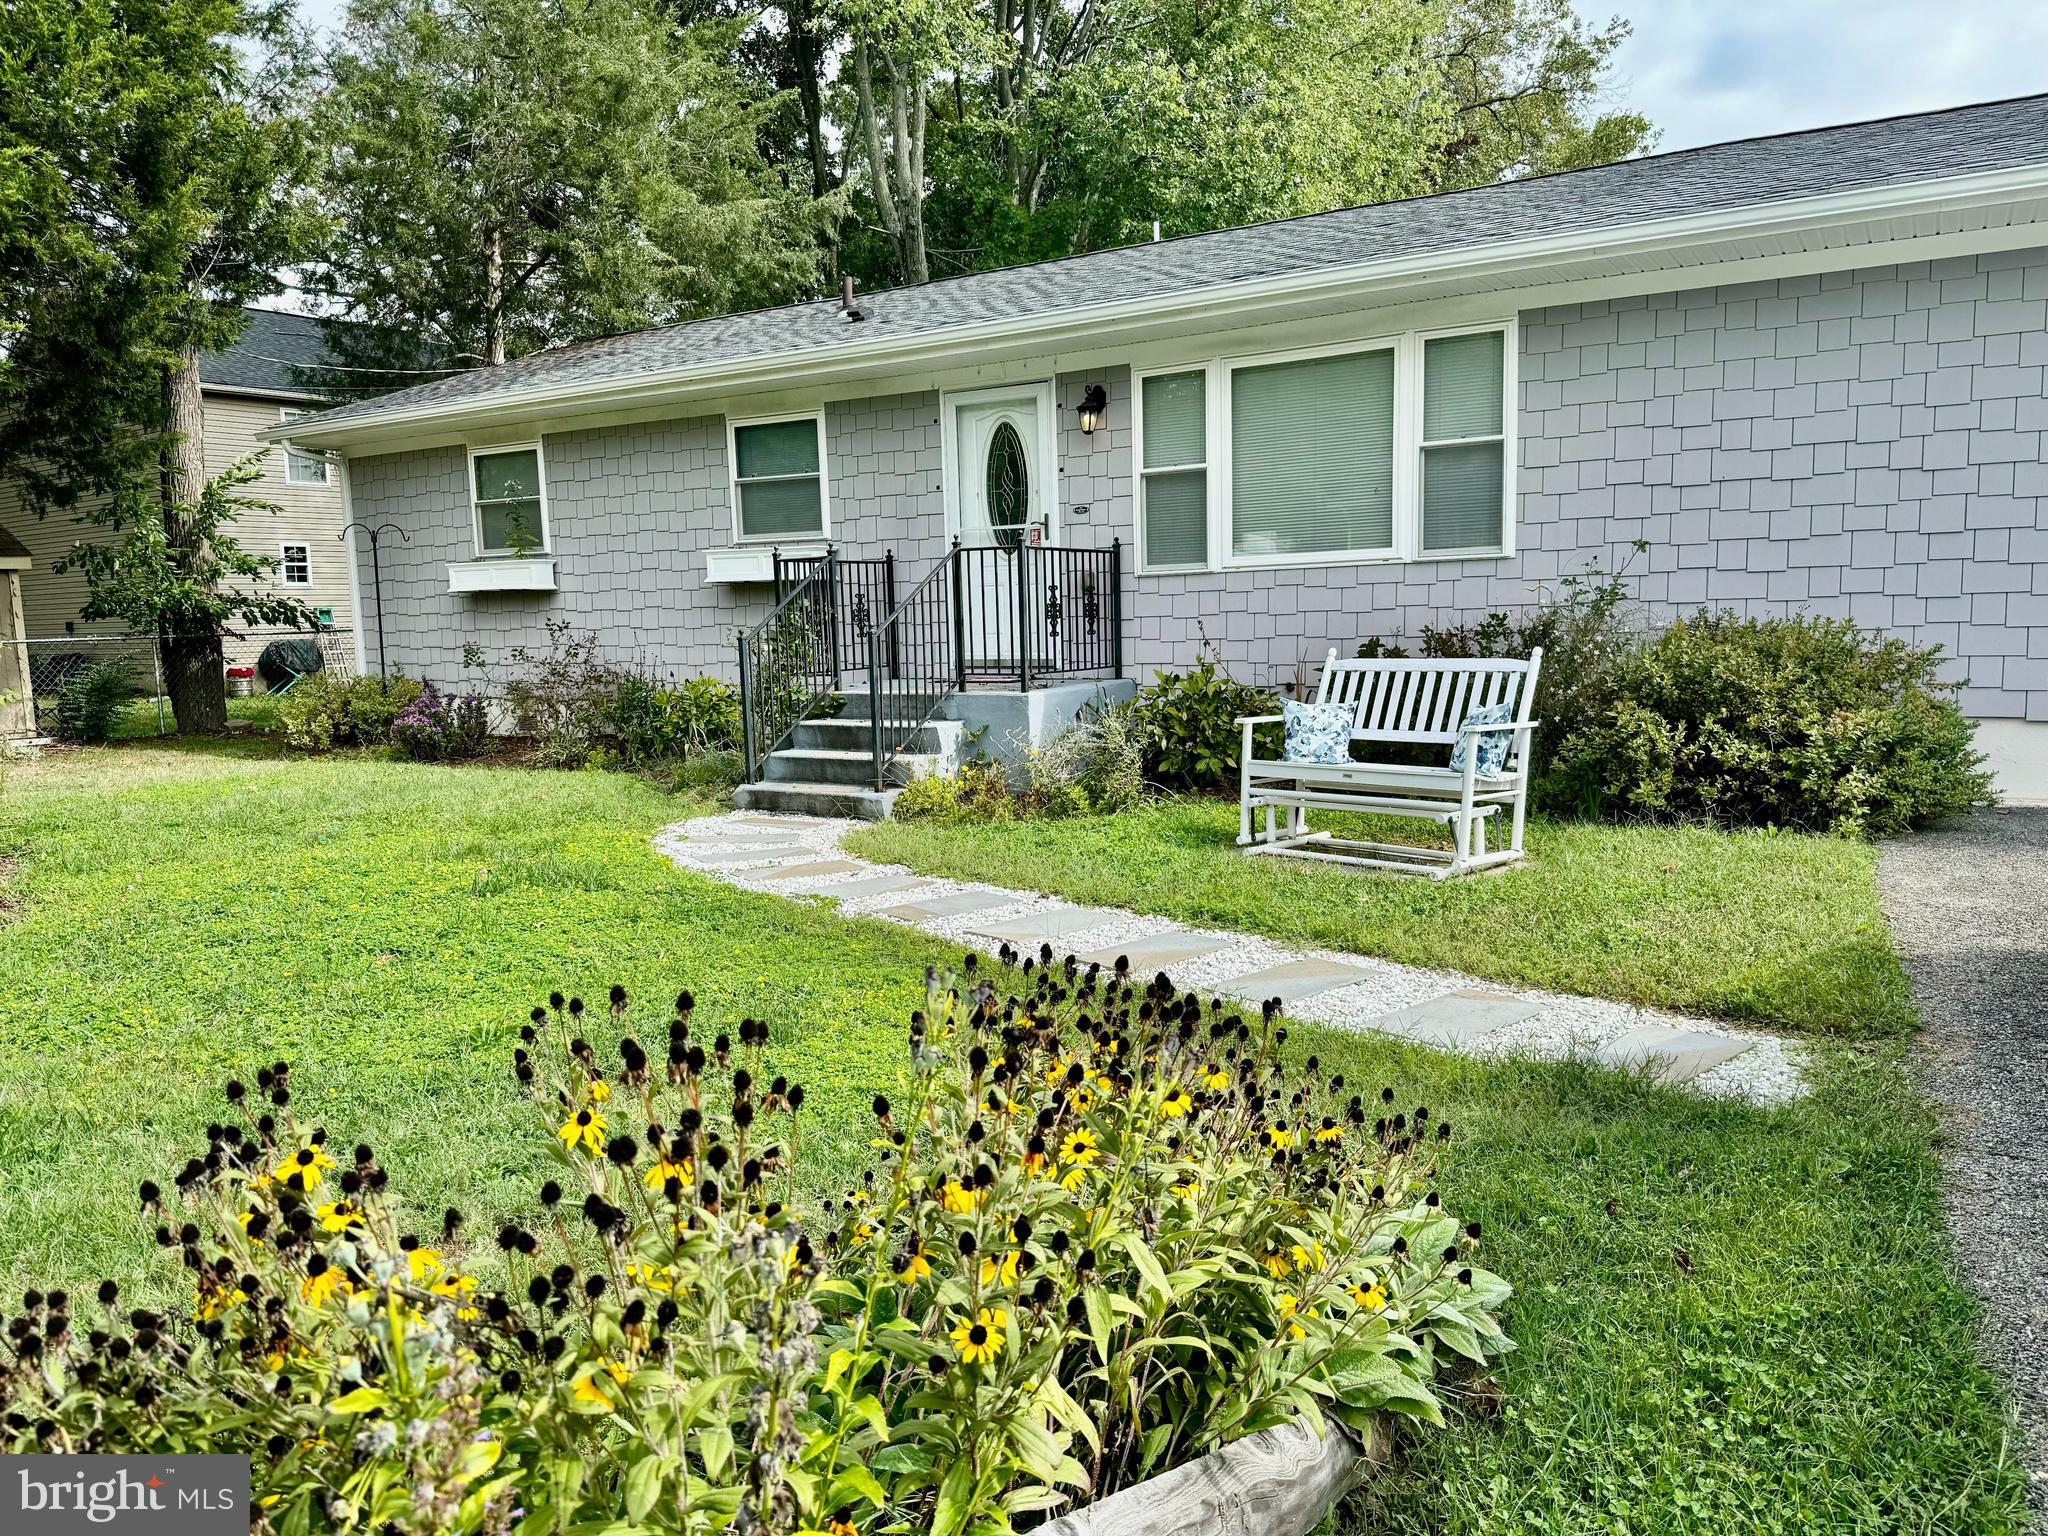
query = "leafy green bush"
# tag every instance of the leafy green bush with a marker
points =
(1588, 625)
(562, 696)
(89, 701)
(323, 711)
(1805, 723)
(659, 722)
(1187, 722)
(1105, 1229)
(928, 797)
(1096, 764)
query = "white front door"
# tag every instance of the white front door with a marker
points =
(1002, 498)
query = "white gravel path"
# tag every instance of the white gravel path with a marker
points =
(1767, 1071)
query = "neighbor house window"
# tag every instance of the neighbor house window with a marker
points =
(304, 468)
(511, 506)
(1312, 456)
(1174, 477)
(296, 568)
(779, 478)
(1464, 442)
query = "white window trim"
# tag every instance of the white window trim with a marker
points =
(1141, 472)
(1407, 347)
(732, 477)
(284, 563)
(292, 413)
(476, 511)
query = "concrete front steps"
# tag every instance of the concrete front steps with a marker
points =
(828, 767)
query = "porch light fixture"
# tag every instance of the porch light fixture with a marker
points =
(1094, 401)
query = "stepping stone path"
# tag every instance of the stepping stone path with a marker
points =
(1440, 1009)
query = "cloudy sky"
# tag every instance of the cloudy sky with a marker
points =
(1707, 70)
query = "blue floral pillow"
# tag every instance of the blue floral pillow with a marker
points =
(1317, 733)
(1493, 745)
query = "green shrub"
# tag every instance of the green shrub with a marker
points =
(323, 711)
(1588, 625)
(928, 797)
(90, 700)
(1097, 763)
(1804, 723)
(562, 696)
(659, 722)
(1131, 1236)
(1187, 722)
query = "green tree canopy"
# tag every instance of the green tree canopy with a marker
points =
(506, 175)
(160, 178)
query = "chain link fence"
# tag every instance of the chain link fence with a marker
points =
(54, 660)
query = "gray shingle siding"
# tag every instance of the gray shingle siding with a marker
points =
(1860, 443)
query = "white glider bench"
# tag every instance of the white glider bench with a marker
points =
(1415, 702)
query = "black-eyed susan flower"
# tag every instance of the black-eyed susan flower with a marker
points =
(1215, 1078)
(663, 1169)
(340, 1216)
(1276, 1264)
(585, 1128)
(959, 1199)
(1036, 1160)
(1329, 1131)
(1079, 1150)
(1177, 1102)
(597, 1091)
(1310, 1257)
(1372, 1296)
(302, 1170)
(980, 1339)
(1291, 1313)
(915, 1264)
(1277, 1138)
(1001, 1271)
(324, 1287)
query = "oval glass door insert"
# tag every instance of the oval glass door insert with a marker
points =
(1008, 486)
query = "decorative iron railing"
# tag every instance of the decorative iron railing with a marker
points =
(861, 594)
(788, 665)
(913, 664)
(994, 615)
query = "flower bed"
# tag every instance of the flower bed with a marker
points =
(1106, 1230)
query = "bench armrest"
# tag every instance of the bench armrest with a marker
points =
(1505, 725)
(1261, 719)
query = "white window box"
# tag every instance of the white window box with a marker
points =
(502, 576)
(752, 562)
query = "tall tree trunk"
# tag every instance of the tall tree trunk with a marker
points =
(194, 668)
(494, 300)
(807, 61)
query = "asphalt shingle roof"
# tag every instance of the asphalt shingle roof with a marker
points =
(1746, 172)
(278, 354)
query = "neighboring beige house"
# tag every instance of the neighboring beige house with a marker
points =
(274, 372)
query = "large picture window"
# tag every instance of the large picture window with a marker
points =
(511, 504)
(1174, 477)
(1312, 456)
(779, 478)
(1399, 448)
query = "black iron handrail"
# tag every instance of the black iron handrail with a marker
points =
(861, 592)
(913, 664)
(788, 665)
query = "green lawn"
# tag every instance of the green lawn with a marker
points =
(1773, 928)
(1729, 1320)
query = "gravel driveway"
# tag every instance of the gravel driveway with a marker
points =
(1968, 904)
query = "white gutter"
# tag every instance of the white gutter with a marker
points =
(1652, 237)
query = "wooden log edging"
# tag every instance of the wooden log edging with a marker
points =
(1278, 1482)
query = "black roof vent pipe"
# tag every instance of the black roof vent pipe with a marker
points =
(846, 299)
